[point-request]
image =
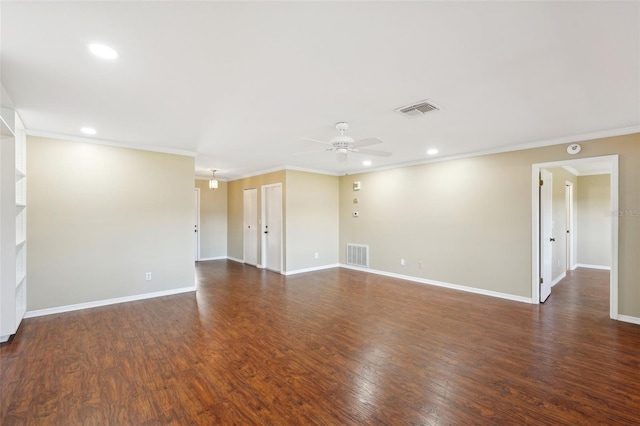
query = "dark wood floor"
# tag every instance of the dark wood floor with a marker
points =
(336, 347)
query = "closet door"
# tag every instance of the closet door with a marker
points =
(250, 225)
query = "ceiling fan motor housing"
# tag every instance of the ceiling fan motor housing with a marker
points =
(341, 140)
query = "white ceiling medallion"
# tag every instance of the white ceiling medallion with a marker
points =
(574, 148)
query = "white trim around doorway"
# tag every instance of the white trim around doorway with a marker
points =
(535, 232)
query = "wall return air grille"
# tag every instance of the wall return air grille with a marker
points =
(417, 109)
(358, 255)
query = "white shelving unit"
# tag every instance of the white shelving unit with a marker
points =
(13, 220)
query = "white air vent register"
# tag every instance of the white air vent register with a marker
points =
(358, 255)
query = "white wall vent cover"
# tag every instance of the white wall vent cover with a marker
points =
(417, 109)
(358, 255)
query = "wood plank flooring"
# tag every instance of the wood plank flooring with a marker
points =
(336, 347)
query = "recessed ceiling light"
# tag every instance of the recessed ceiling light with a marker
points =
(102, 51)
(432, 151)
(366, 163)
(88, 130)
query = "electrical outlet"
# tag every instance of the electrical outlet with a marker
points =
(402, 262)
(315, 256)
(147, 276)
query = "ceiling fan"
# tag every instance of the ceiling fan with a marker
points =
(343, 144)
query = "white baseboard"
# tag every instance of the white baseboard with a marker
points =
(628, 318)
(203, 259)
(312, 269)
(584, 265)
(475, 290)
(558, 279)
(105, 302)
(235, 259)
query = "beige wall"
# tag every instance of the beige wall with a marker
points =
(312, 220)
(469, 220)
(235, 244)
(310, 217)
(594, 220)
(213, 220)
(100, 217)
(560, 226)
(451, 216)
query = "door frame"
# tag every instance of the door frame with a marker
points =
(197, 252)
(263, 216)
(535, 227)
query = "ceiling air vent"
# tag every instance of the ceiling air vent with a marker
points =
(417, 109)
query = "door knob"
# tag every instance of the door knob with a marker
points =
(266, 232)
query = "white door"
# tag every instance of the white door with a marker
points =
(196, 233)
(250, 224)
(568, 199)
(272, 229)
(546, 233)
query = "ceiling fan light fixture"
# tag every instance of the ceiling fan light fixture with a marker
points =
(213, 182)
(366, 163)
(432, 151)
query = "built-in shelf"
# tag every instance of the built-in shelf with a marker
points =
(13, 198)
(6, 130)
(20, 279)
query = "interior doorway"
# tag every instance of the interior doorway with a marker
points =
(570, 231)
(196, 233)
(272, 227)
(250, 226)
(611, 161)
(546, 233)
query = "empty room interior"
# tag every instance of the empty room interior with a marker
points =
(332, 213)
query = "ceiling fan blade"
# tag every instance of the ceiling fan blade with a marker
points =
(366, 142)
(311, 152)
(374, 152)
(317, 141)
(341, 156)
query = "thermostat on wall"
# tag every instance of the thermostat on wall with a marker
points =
(574, 148)
(356, 186)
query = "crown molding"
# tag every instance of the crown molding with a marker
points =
(512, 148)
(281, 168)
(140, 147)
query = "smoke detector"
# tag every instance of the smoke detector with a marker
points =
(417, 109)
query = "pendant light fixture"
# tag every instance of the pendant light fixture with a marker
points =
(213, 183)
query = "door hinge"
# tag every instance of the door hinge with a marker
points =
(541, 280)
(541, 182)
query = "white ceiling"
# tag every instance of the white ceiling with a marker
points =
(242, 83)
